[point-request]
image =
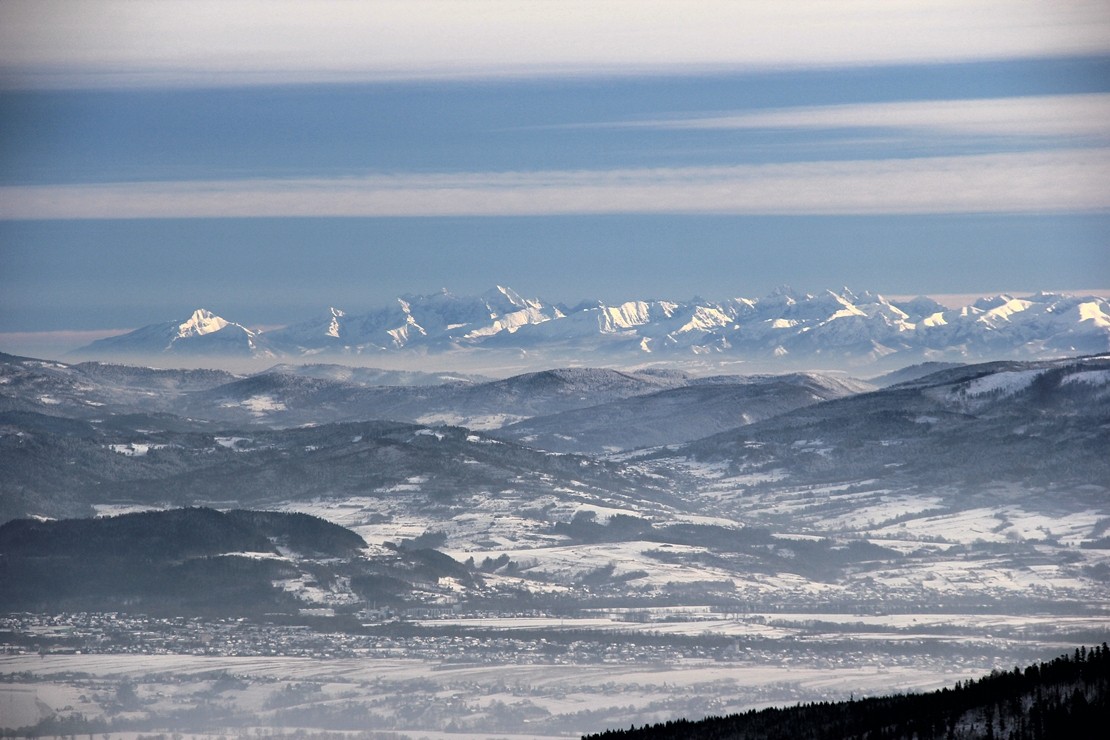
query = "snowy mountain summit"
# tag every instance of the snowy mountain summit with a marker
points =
(785, 327)
(203, 333)
(201, 322)
(439, 321)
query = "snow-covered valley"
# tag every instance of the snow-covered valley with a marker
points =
(529, 578)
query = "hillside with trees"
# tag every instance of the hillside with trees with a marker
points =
(1068, 697)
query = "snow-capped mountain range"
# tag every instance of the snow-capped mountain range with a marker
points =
(784, 326)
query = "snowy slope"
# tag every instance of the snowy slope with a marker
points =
(792, 329)
(202, 334)
(439, 320)
(94, 390)
(975, 486)
(1035, 423)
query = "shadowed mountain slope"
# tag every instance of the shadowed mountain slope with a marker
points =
(677, 415)
(188, 559)
(1040, 423)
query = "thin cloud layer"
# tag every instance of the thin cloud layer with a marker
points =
(52, 43)
(1037, 182)
(1084, 116)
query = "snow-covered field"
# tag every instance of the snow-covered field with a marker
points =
(949, 593)
(422, 697)
(936, 552)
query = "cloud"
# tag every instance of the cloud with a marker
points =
(1084, 116)
(51, 344)
(69, 336)
(1071, 180)
(234, 42)
(959, 300)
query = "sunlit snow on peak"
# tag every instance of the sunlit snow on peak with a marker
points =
(333, 327)
(1092, 311)
(1008, 309)
(201, 322)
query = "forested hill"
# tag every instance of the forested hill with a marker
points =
(180, 561)
(1068, 697)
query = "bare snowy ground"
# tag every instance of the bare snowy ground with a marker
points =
(936, 551)
(422, 697)
(634, 630)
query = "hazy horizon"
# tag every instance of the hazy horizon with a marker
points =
(267, 160)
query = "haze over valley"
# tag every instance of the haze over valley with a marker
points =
(431, 369)
(641, 544)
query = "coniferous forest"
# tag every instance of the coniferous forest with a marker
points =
(1068, 697)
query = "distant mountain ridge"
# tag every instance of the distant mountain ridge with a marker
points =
(679, 414)
(784, 327)
(287, 395)
(71, 438)
(971, 487)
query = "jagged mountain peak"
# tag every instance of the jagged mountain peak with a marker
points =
(986, 303)
(201, 322)
(848, 328)
(500, 293)
(849, 295)
(920, 306)
(202, 333)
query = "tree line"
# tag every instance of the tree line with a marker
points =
(1066, 697)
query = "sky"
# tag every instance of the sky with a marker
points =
(267, 160)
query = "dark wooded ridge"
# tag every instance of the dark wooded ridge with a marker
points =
(1066, 697)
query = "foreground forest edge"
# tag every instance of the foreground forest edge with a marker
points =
(1066, 697)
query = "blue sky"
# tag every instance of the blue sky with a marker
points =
(267, 160)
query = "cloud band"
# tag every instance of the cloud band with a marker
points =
(50, 43)
(1070, 180)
